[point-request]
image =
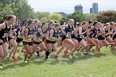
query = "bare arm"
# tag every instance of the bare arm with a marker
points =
(26, 33)
(51, 33)
(41, 33)
(34, 35)
(2, 26)
(109, 32)
(64, 26)
(62, 29)
(80, 31)
(75, 31)
(22, 31)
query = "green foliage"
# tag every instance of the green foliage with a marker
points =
(107, 16)
(43, 19)
(7, 10)
(77, 16)
(90, 17)
(20, 8)
(42, 15)
(23, 10)
(55, 17)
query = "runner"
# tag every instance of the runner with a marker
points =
(5, 28)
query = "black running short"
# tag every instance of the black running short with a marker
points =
(29, 43)
(36, 42)
(18, 40)
(52, 42)
(114, 37)
(101, 37)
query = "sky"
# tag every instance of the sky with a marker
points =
(67, 6)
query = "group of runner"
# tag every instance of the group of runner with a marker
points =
(52, 37)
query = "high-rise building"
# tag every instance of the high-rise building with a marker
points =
(95, 8)
(91, 10)
(79, 8)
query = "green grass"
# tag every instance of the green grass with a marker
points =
(102, 65)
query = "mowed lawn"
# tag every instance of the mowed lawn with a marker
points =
(102, 65)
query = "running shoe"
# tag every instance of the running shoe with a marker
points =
(14, 58)
(1, 66)
(26, 61)
(55, 56)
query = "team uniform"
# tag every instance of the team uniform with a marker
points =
(19, 35)
(68, 33)
(4, 34)
(77, 36)
(93, 33)
(29, 40)
(37, 38)
(48, 39)
(100, 37)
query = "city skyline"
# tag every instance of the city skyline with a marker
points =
(67, 6)
(94, 8)
(78, 7)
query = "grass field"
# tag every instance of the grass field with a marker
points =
(102, 65)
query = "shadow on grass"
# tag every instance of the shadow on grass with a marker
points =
(80, 57)
(23, 64)
(9, 67)
(13, 66)
(113, 51)
(70, 61)
(38, 59)
(54, 62)
(9, 60)
(39, 62)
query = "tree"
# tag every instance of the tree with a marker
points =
(91, 17)
(42, 14)
(77, 16)
(7, 10)
(20, 8)
(107, 16)
(43, 19)
(55, 17)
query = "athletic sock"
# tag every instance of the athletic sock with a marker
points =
(47, 54)
(0, 64)
(37, 53)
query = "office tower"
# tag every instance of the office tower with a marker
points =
(95, 8)
(79, 8)
(91, 10)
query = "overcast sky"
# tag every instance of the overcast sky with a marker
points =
(67, 6)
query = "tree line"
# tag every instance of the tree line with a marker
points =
(23, 10)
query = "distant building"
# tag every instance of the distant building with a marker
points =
(91, 10)
(62, 13)
(79, 8)
(95, 8)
